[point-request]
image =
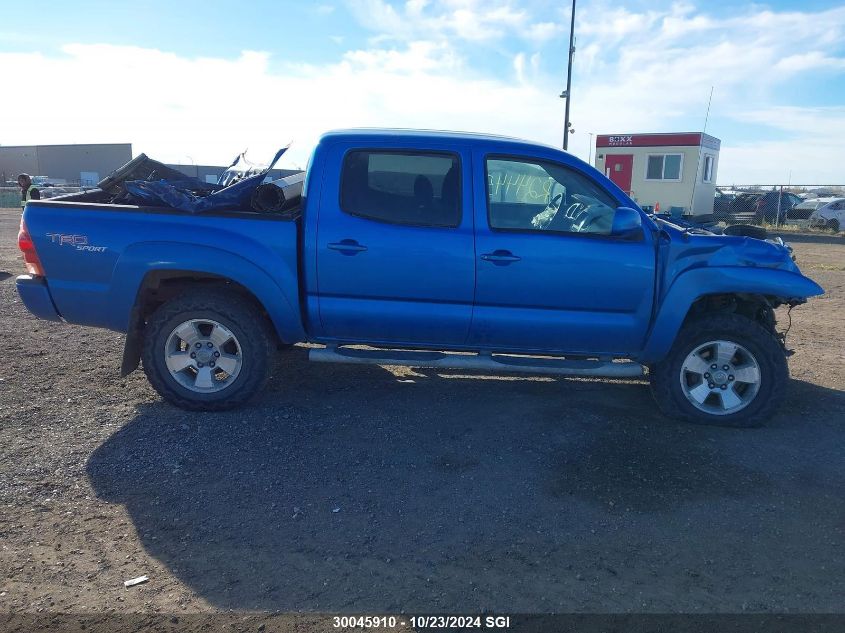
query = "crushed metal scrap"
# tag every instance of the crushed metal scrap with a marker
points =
(242, 187)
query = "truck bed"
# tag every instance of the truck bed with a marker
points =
(97, 256)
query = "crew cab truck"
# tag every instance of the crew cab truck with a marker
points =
(427, 249)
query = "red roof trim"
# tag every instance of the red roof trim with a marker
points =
(652, 140)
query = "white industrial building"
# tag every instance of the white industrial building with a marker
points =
(674, 173)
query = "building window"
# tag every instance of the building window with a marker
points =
(664, 167)
(412, 188)
(707, 173)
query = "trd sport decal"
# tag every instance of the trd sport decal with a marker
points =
(79, 242)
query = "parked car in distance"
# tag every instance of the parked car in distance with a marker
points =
(46, 181)
(771, 207)
(828, 213)
(836, 192)
(804, 209)
(433, 249)
(743, 207)
(722, 203)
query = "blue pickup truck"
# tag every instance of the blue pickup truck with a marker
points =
(427, 249)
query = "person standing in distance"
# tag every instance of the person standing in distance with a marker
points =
(28, 190)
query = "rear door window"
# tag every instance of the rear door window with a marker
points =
(412, 188)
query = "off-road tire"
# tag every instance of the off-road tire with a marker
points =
(767, 350)
(833, 225)
(232, 310)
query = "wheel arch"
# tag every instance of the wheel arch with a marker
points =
(160, 285)
(752, 292)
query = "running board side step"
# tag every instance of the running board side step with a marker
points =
(483, 362)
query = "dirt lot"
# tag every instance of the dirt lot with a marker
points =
(354, 489)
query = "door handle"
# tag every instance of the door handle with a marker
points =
(347, 247)
(500, 258)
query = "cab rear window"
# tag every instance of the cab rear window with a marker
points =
(412, 188)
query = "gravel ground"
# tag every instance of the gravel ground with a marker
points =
(361, 489)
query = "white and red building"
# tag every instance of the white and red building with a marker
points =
(673, 171)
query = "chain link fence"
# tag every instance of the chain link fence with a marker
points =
(10, 197)
(820, 206)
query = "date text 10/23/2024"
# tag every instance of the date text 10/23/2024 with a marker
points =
(422, 621)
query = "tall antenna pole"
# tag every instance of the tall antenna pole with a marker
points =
(568, 93)
(700, 153)
(707, 116)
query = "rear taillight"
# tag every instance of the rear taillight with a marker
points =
(30, 257)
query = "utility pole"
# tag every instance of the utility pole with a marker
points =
(568, 92)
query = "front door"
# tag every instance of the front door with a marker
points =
(395, 256)
(620, 168)
(549, 274)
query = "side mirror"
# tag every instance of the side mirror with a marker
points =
(627, 224)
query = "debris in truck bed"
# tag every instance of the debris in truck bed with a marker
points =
(180, 195)
(143, 167)
(241, 168)
(279, 195)
(183, 193)
(147, 182)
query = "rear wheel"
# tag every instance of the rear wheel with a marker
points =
(207, 350)
(833, 225)
(724, 370)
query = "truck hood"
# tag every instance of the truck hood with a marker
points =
(683, 250)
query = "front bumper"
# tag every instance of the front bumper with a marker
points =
(35, 295)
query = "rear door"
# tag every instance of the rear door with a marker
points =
(555, 280)
(395, 251)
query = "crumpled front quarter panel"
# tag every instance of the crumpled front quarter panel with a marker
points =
(699, 265)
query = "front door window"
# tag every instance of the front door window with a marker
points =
(524, 195)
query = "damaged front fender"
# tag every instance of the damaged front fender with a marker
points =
(790, 286)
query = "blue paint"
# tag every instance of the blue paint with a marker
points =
(334, 277)
(36, 297)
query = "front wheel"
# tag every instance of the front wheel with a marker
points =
(724, 370)
(207, 350)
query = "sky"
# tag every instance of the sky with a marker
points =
(188, 81)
